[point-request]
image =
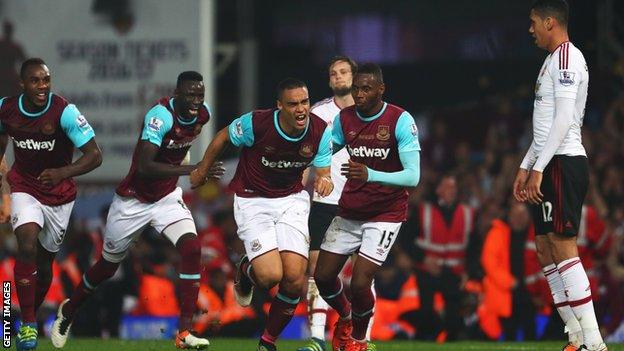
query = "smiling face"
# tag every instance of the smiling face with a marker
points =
(36, 84)
(189, 97)
(340, 78)
(294, 105)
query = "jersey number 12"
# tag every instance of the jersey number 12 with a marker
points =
(547, 211)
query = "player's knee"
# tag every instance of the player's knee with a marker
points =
(293, 283)
(27, 251)
(322, 280)
(360, 284)
(563, 248)
(543, 250)
(267, 279)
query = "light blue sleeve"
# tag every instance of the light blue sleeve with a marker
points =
(409, 176)
(324, 154)
(158, 122)
(241, 130)
(407, 133)
(76, 126)
(338, 140)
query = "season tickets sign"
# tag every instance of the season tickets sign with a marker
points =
(112, 70)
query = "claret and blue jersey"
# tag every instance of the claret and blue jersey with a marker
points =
(43, 140)
(387, 143)
(271, 162)
(174, 136)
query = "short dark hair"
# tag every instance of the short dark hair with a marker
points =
(557, 9)
(189, 76)
(30, 62)
(289, 83)
(342, 58)
(371, 68)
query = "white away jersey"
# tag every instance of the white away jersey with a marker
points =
(563, 75)
(328, 110)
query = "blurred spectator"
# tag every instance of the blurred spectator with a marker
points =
(12, 56)
(613, 303)
(157, 295)
(397, 302)
(214, 252)
(222, 315)
(436, 237)
(436, 148)
(514, 289)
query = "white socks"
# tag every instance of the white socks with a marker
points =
(317, 310)
(578, 293)
(573, 328)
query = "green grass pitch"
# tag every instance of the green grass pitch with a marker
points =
(224, 344)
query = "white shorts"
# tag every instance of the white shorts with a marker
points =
(373, 239)
(128, 217)
(53, 220)
(265, 224)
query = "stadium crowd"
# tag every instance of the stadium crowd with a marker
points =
(491, 287)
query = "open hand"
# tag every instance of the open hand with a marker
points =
(354, 170)
(216, 171)
(198, 178)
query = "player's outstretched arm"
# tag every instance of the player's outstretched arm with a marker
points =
(199, 175)
(148, 167)
(91, 159)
